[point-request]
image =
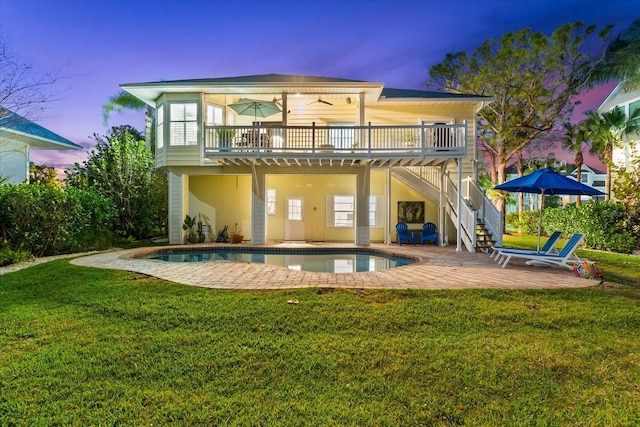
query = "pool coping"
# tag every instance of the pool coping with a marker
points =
(437, 268)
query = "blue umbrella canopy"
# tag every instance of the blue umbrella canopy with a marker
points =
(547, 182)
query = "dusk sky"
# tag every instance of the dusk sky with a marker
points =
(99, 44)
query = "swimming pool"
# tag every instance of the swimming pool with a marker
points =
(314, 260)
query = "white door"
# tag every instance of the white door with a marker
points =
(294, 221)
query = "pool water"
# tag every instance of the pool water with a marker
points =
(320, 261)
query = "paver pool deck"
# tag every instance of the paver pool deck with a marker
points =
(438, 268)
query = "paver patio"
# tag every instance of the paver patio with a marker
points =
(438, 268)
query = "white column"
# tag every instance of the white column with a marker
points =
(363, 231)
(387, 214)
(444, 238)
(258, 207)
(458, 207)
(178, 205)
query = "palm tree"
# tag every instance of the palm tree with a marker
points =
(606, 131)
(621, 60)
(574, 138)
(125, 101)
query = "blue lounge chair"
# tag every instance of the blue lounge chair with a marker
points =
(404, 235)
(548, 248)
(565, 255)
(429, 233)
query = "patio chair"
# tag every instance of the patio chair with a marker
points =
(429, 233)
(560, 259)
(404, 235)
(548, 248)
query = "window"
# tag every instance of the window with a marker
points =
(633, 107)
(340, 211)
(295, 210)
(184, 124)
(160, 127)
(376, 211)
(271, 201)
(214, 115)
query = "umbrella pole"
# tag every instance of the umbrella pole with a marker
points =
(540, 219)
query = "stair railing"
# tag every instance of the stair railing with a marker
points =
(487, 211)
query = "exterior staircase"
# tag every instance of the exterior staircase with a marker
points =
(484, 238)
(481, 223)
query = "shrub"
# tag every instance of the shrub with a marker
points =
(9, 256)
(605, 225)
(50, 221)
(526, 222)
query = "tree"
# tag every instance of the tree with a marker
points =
(606, 131)
(121, 168)
(532, 78)
(621, 60)
(21, 90)
(124, 100)
(576, 135)
(43, 174)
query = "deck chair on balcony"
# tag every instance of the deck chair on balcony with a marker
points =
(567, 254)
(548, 248)
(404, 235)
(429, 233)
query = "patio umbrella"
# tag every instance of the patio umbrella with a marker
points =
(255, 108)
(547, 182)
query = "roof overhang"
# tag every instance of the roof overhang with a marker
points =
(150, 92)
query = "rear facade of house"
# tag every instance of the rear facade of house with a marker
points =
(331, 160)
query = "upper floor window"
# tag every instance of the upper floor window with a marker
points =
(214, 115)
(184, 124)
(159, 127)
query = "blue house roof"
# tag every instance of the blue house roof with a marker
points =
(39, 137)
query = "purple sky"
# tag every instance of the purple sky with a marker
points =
(100, 44)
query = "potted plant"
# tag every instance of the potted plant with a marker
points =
(225, 137)
(201, 235)
(194, 235)
(236, 236)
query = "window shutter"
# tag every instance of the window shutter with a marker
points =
(329, 212)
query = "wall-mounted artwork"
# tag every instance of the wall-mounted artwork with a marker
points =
(411, 212)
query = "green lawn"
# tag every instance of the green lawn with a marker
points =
(82, 346)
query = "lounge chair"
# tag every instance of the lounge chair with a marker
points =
(429, 233)
(404, 235)
(548, 248)
(566, 254)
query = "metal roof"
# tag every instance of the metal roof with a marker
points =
(32, 133)
(275, 84)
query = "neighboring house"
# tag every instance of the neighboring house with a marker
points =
(18, 136)
(629, 102)
(590, 176)
(335, 160)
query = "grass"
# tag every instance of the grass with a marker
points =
(617, 268)
(82, 346)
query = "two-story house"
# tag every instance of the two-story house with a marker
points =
(18, 136)
(624, 155)
(300, 158)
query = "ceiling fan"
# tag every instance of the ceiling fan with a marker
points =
(277, 101)
(320, 100)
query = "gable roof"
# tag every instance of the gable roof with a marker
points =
(276, 84)
(31, 133)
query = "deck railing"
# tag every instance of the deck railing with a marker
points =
(343, 141)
